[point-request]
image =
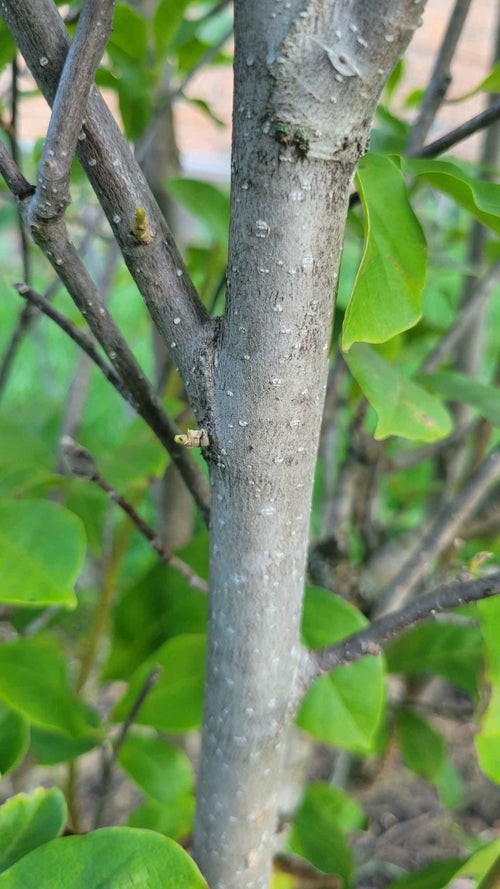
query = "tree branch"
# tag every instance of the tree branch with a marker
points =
(440, 78)
(81, 464)
(440, 534)
(54, 170)
(374, 637)
(129, 380)
(82, 339)
(463, 131)
(137, 223)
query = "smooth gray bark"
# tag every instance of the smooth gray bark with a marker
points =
(307, 78)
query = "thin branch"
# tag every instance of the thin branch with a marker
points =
(440, 534)
(440, 77)
(137, 223)
(463, 131)
(109, 760)
(54, 170)
(82, 339)
(371, 640)
(81, 464)
(131, 384)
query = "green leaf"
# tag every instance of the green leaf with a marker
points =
(318, 834)
(403, 407)
(53, 747)
(136, 459)
(488, 738)
(454, 652)
(114, 858)
(25, 459)
(435, 876)
(345, 707)
(480, 862)
(27, 822)
(14, 739)
(479, 198)
(129, 33)
(464, 390)
(33, 681)
(422, 746)
(7, 46)
(166, 21)
(209, 204)
(386, 298)
(161, 770)
(449, 785)
(42, 547)
(175, 703)
(173, 820)
(160, 605)
(326, 618)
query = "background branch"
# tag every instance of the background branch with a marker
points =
(440, 78)
(440, 534)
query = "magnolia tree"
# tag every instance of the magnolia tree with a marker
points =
(307, 79)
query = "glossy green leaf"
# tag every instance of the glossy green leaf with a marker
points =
(33, 681)
(464, 390)
(422, 746)
(27, 822)
(14, 738)
(160, 605)
(386, 298)
(166, 21)
(175, 703)
(114, 858)
(42, 547)
(345, 707)
(403, 408)
(209, 204)
(489, 613)
(173, 820)
(318, 835)
(161, 770)
(129, 33)
(453, 652)
(479, 198)
(435, 876)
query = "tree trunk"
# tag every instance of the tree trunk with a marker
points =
(292, 165)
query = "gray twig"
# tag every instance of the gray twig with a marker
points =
(372, 639)
(54, 170)
(81, 464)
(463, 131)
